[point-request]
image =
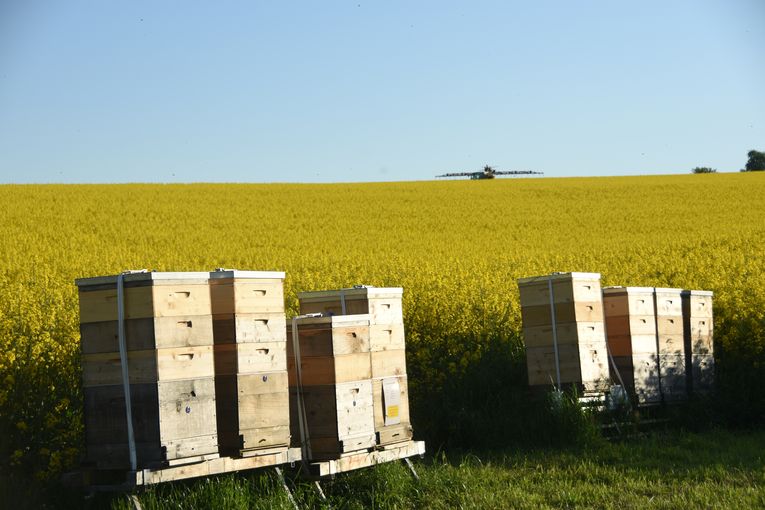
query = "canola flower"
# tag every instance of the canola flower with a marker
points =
(456, 247)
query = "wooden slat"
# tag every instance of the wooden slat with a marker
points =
(631, 325)
(250, 358)
(319, 340)
(355, 414)
(148, 366)
(320, 370)
(388, 363)
(567, 333)
(243, 328)
(247, 296)
(362, 460)
(580, 311)
(394, 434)
(565, 290)
(669, 302)
(385, 337)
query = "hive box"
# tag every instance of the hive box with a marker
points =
(699, 346)
(251, 384)
(330, 385)
(168, 329)
(631, 333)
(671, 343)
(563, 313)
(387, 348)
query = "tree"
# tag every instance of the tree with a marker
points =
(704, 170)
(756, 161)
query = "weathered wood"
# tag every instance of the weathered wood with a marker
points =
(367, 459)
(171, 420)
(621, 301)
(148, 366)
(379, 403)
(328, 336)
(382, 304)
(246, 296)
(320, 370)
(567, 288)
(250, 358)
(386, 337)
(570, 333)
(147, 333)
(145, 302)
(631, 325)
(252, 327)
(669, 302)
(388, 363)
(579, 311)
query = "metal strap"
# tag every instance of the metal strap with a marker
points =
(305, 440)
(125, 373)
(658, 345)
(553, 320)
(342, 302)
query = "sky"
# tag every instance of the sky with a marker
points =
(193, 91)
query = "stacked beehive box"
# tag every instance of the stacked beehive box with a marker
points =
(631, 332)
(169, 344)
(387, 347)
(563, 330)
(250, 361)
(699, 350)
(330, 385)
(671, 343)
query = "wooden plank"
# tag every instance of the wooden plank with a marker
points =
(265, 438)
(669, 302)
(377, 398)
(367, 459)
(669, 325)
(385, 337)
(631, 325)
(388, 363)
(570, 333)
(101, 305)
(321, 370)
(593, 360)
(104, 413)
(250, 358)
(566, 289)
(580, 311)
(215, 467)
(179, 300)
(671, 344)
(247, 296)
(394, 434)
(187, 410)
(540, 363)
(244, 328)
(320, 340)
(382, 304)
(355, 413)
(148, 366)
(326, 448)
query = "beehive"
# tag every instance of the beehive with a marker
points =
(631, 332)
(252, 393)
(671, 343)
(387, 347)
(563, 313)
(699, 346)
(169, 345)
(334, 380)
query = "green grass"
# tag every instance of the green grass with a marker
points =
(714, 469)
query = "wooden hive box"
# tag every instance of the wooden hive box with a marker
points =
(670, 335)
(631, 334)
(169, 346)
(387, 347)
(698, 324)
(252, 393)
(334, 382)
(564, 311)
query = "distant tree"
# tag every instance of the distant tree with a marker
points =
(704, 170)
(756, 161)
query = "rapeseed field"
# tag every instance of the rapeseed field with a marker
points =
(456, 247)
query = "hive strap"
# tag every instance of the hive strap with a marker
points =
(125, 373)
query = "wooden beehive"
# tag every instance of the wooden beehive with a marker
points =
(252, 393)
(631, 334)
(671, 343)
(564, 312)
(169, 342)
(699, 346)
(335, 383)
(387, 346)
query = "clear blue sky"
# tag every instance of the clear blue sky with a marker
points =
(189, 91)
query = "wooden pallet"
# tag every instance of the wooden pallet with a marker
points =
(100, 480)
(366, 459)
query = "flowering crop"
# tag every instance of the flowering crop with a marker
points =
(456, 247)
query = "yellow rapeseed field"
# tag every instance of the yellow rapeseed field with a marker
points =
(456, 247)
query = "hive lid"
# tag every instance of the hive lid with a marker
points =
(143, 276)
(697, 293)
(358, 290)
(235, 273)
(361, 319)
(627, 290)
(667, 290)
(559, 276)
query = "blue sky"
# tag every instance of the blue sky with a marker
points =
(171, 91)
